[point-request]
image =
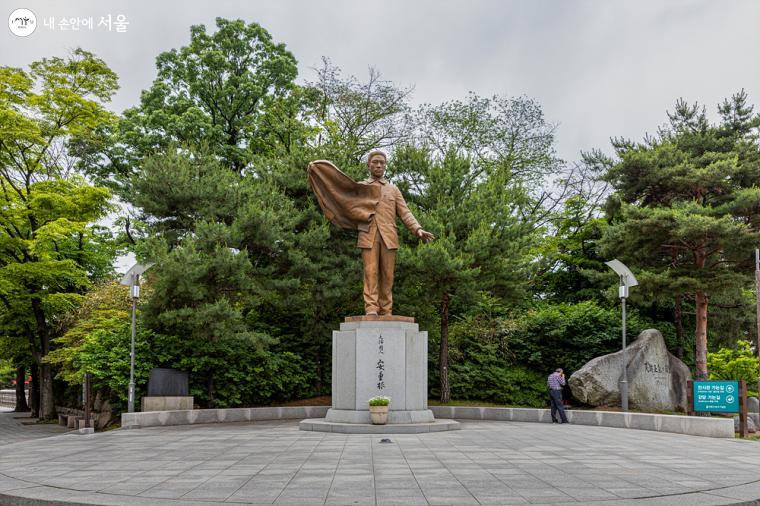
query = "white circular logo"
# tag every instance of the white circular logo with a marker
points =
(730, 389)
(22, 22)
(730, 399)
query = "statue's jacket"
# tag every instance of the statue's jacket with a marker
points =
(391, 204)
(369, 206)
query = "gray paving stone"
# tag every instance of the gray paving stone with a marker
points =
(264, 462)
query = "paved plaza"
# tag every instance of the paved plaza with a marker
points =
(484, 463)
(16, 427)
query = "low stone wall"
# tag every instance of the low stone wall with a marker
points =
(692, 425)
(195, 416)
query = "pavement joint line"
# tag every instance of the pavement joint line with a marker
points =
(414, 475)
(170, 477)
(337, 465)
(374, 477)
(448, 437)
(220, 472)
(501, 481)
(295, 440)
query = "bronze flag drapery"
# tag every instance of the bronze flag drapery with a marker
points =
(345, 202)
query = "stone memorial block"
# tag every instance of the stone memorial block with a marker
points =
(168, 382)
(167, 391)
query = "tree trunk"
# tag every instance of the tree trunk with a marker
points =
(444, 356)
(35, 391)
(701, 335)
(21, 404)
(678, 317)
(211, 391)
(47, 401)
(320, 373)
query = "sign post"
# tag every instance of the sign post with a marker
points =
(719, 397)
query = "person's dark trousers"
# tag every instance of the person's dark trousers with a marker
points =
(556, 399)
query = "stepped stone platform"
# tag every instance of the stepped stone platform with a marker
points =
(322, 425)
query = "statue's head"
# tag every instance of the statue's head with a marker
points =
(376, 161)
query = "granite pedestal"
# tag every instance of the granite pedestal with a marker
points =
(378, 355)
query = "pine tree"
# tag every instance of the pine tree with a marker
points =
(687, 207)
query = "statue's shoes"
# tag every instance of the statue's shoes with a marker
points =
(371, 313)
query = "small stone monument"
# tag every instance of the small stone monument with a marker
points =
(656, 378)
(168, 390)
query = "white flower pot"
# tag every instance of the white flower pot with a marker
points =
(379, 414)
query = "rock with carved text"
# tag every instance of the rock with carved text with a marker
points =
(656, 378)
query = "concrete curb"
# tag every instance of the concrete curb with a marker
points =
(196, 416)
(691, 425)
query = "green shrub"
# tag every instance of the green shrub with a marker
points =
(482, 369)
(569, 335)
(243, 373)
(738, 363)
(98, 342)
(511, 385)
(7, 373)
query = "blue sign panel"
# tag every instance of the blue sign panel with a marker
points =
(716, 396)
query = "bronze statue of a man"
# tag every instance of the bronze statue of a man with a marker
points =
(371, 206)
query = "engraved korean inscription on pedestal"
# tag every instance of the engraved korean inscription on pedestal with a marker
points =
(380, 360)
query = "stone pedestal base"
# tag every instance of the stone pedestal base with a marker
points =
(398, 416)
(321, 425)
(166, 403)
(379, 355)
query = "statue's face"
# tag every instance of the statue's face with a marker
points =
(377, 166)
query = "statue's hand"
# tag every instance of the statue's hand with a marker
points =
(424, 235)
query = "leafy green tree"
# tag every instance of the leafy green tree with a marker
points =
(97, 340)
(14, 358)
(573, 269)
(231, 92)
(7, 372)
(470, 175)
(246, 181)
(480, 245)
(687, 208)
(49, 245)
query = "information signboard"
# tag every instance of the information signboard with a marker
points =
(716, 396)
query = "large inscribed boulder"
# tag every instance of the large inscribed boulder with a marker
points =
(656, 378)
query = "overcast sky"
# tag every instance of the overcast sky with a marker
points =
(599, 68)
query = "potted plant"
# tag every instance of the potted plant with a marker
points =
(378, 409)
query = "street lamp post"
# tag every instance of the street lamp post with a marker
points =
(132, 279)
(134, 292)
(627, 280)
